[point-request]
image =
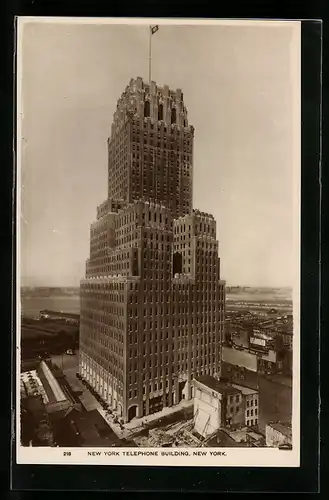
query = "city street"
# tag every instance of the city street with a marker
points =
(275, 397)
(69, 365)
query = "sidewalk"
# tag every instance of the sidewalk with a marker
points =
(69, 366)
(137, 422)
(136, 425)
(90, 402)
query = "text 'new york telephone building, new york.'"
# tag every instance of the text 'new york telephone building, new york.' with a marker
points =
(152, 302)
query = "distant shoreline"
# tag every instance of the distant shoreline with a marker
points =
(255, 295)
(58, 296)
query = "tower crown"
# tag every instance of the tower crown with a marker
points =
(148, 100)
(150, 151)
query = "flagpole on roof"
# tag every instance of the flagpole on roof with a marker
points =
(150, 52)
(152, 29)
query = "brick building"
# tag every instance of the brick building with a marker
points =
(152, 302)
(219, 405)
(216, 405)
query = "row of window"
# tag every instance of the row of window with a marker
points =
(252, 402)
(203, 313)
(252, 422)
(181, 329)
(208, 368)
(251, 412)
(173, 113)
(183, 354)
(147, 125)
(165, 142)
(102, 287)
(110, 331)
(113, 371)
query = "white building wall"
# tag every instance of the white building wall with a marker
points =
(274, 438)
(207, 412)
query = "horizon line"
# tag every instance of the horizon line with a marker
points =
(227, 285)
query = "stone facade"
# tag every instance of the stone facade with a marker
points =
(152, 302)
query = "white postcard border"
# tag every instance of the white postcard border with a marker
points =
(195, 457)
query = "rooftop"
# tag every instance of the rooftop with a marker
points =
(221, 439)
(54, 393)
(282, 427)
(216, 385)
(246, 391)
(32, 385)
(244, 435)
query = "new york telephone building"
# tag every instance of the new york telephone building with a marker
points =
(152, 302)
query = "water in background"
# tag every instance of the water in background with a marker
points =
(31, 306)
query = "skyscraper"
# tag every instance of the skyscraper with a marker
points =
(152, 303)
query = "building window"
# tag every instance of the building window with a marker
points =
(160, 112)
(177, 263)
(147, 109)
(173, 115)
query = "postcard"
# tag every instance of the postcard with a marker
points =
(158, 242)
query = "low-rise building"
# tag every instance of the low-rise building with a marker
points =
(247, 436)
(216, 405)
(269, 363)
(223, 405)
(251, 404)
(43, 383)
(278, 434)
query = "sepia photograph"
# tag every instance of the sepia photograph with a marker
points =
(158, 242)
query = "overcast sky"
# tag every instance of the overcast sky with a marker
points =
(237, 84)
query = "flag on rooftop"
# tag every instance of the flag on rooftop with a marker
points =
(154, 28)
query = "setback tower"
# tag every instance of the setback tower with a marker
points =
(152, 302)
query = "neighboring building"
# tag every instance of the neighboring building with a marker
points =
(219, 405)
(239, 375)
(42, 383)
(278, 434)
(247, 437)
(220, 439)
(269, 363)
(266, 361)
(259, 342)
(243, 358)
(152, 303)
(280, 329)
(31, 385)
(251, 404)
(243, 338)
(223, 405)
